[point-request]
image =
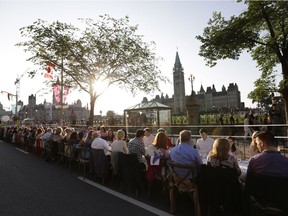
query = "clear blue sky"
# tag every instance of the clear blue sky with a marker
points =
(171, 24)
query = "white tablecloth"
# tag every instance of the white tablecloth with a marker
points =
(243, 166)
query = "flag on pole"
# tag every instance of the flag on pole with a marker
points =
(10, 96)
(48, 75)
(49, 68)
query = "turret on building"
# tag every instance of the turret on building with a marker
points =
(207, 100)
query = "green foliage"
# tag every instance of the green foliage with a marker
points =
(106, 51)
(262, 30)
(263, 92)
(110, 113)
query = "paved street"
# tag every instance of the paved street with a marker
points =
(31, 186)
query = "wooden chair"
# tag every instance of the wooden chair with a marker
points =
(266, 194)
(219, 191)
(183, 184)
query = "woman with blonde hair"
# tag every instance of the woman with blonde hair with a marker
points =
(119, 145)
(219, 156)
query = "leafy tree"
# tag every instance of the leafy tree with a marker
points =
(262, 30)
(263, 92)
(110, 117)
(102, 53)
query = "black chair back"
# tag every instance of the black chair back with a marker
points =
(100, 163)
(268, 191)
(114, 161)
(130, 171)
(219, 191)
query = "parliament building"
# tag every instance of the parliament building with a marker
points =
(208, 100)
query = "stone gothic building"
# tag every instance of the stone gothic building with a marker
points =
(207, 100)
(51, 113)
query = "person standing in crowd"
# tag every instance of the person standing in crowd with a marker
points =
(247, 129)
(256, 122)
(221, 120)
(204, 144)
(268, 161)
(148, 138)
(275, 118)
(232, 123)
(184, 153)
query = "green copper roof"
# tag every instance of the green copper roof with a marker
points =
(148, 105)
(177, 60)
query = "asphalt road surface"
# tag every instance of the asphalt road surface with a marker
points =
(31, 186)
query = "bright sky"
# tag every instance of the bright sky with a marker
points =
(173, 26)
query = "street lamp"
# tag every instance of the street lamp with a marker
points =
(100, 117)
(191, 78)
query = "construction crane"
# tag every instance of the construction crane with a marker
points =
(17, 83)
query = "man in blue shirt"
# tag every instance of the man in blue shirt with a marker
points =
(184, 153)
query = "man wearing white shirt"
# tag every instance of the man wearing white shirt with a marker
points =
(99, 143)
(204, 144)
(148, 138)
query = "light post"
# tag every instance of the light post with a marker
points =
(191, 78)
(36, 116)
(100, 117)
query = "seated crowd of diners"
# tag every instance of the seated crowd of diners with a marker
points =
(154, 149)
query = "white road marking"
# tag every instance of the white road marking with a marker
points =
(21, 150)
(126, 198)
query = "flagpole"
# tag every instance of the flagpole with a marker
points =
(16, 107)
(61, 92)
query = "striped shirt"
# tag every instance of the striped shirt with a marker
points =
(136, 146)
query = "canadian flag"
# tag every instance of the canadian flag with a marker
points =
(49, 68)
(10, 96)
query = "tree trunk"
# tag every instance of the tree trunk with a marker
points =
(284, 87)
(92, 105)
